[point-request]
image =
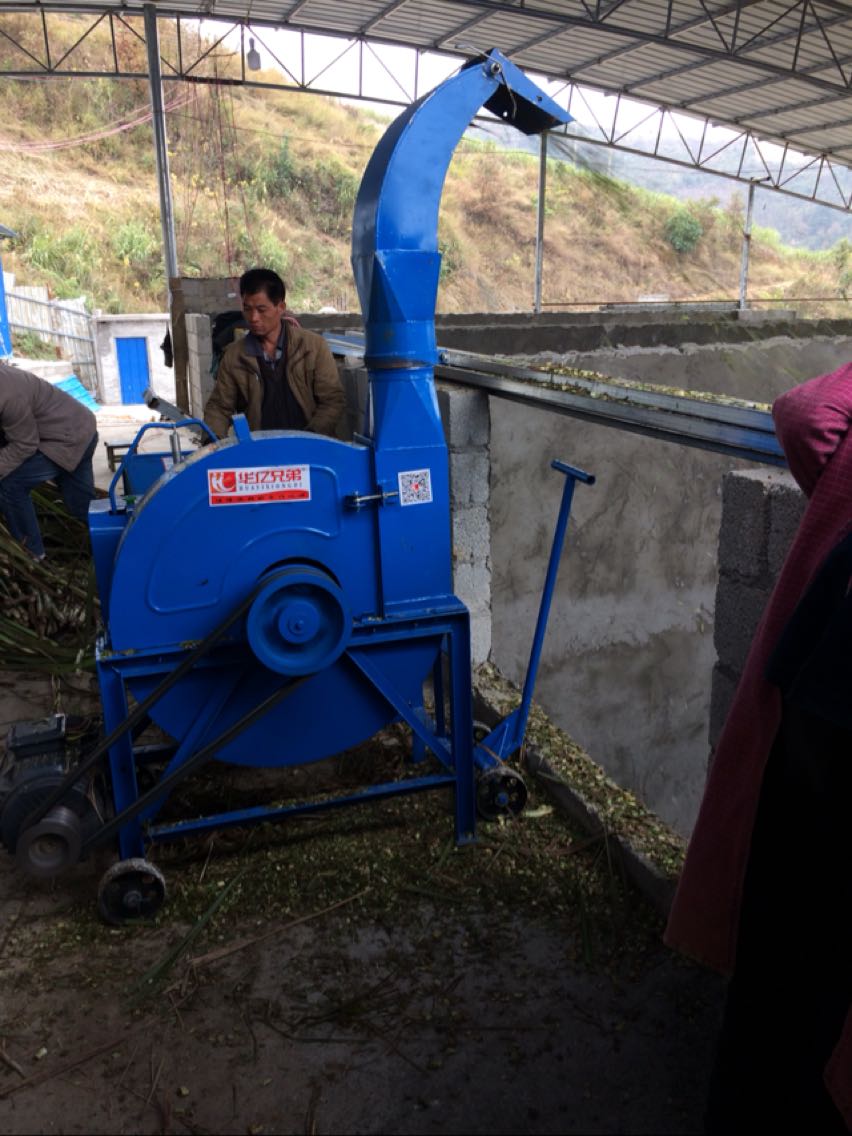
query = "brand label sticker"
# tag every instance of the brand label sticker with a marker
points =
(415, 487)
(260, 485)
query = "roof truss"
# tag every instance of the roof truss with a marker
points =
(747, 89)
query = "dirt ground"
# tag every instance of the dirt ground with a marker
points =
(348, 973)
(353, 973)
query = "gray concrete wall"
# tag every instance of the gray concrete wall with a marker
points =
(629, 656)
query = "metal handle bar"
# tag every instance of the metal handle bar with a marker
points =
(173, 427)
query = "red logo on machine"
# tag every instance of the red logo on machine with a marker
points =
(259, 485)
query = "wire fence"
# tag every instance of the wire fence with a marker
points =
(63, 323)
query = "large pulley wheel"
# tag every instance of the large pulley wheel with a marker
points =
(129, 890)
(300, 622)
(500, 792)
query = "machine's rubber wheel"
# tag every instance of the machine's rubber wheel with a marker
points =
(131, 889)
(480, 731)
(500, 792)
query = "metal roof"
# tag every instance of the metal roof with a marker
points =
(777, 71)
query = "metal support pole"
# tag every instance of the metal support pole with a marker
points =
(5, 333)
(152, 43)
(746, 246)
(539, 235)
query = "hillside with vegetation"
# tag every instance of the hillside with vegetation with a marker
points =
(270, 177)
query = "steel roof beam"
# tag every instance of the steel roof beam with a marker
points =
(365, 29)
(817, 180)
(742, 88)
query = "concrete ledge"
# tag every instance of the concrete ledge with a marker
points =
(657, 887)
(653, 880)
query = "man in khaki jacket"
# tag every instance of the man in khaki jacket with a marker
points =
(45, 435)
(279, 375)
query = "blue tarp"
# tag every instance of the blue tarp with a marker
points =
(75, 388)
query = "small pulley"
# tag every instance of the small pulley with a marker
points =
(500, 792)
(52, 845)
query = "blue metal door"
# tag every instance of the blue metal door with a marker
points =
(133, 373)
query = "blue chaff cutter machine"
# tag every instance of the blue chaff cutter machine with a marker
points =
(280, 597)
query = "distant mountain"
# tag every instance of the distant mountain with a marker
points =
(799, 223)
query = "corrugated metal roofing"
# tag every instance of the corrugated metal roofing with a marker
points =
(779, 68)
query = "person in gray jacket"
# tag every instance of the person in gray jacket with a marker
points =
(45, 435)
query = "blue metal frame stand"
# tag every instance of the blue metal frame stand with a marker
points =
(132, 823)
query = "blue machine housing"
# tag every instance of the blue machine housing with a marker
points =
(277, 598)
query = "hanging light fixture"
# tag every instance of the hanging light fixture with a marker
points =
(253, 57)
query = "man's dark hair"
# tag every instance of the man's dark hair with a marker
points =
(263, 280)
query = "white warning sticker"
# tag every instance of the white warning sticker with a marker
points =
(260, 485)
(415, 487)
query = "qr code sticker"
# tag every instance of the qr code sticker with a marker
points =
(415, 487)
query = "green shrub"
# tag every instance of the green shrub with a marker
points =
(68, 260)
(272, 254)
(451, 257)
(32, 346)
(683, 231)
(132, 243)
(276, 175)
(331, 190)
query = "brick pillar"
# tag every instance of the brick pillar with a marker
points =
(467, 425)
(199, 358)
(761, 511)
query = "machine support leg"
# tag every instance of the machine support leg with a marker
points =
(122, 765)
(461, 729)
(458, 756)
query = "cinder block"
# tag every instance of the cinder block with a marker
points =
(469, 478)
(744, 529)
(471, 535)
(786, 505)
(198, 325)
(472, 582)
(739, 607)
(722, 688)
(466, 417)
(480, 637)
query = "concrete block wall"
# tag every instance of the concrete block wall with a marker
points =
(199, 360)
(206, 296)
(761, 511)
(467, 425)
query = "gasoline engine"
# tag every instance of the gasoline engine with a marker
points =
(279, 597)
